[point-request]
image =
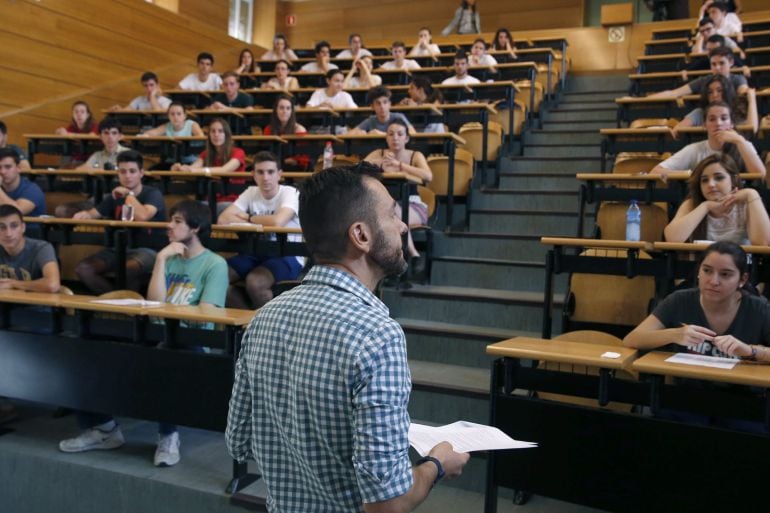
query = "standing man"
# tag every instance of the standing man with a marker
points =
(267, 204)
(205, 79)
(15, 189)
(23, 162)
(461, 76)
(322, 383)
(148, 205)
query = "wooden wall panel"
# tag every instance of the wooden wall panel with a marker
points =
(215, 13)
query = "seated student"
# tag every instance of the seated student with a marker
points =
(479, 55)
(25, 263)
(725, 23)
(421, 92)
(281, 80)
(503, 41)
(321, 63)
(267, 204)
(719, 89)
(246, 64)
(700, 63)
(204, 79)
(397, 159)
(721, 317)
(425, 46)
(721, 60)
(16, 190)
(461, 76)
(220, 156)
(178, 126)
(379, 99)
(110, 132)
(722, 138)
(718, 209)
(398, 50)
(23, 162)
(280, 51)
(332, 96)
(232, 97)
(148, 205)
(152, 99)
(365, 77)
(82, 121)
(185, 273)
(706, 30)
(356, 50)
(283, 121)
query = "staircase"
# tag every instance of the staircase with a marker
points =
(487, 279)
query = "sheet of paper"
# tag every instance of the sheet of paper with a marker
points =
(127, 302)
(703, 360)
(464, 437)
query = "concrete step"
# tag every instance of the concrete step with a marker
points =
(562, 150)
(492, 273)
(586, 105)
(576, 136)
(488, 245)
(605, 96)
(539, 181)
(512, 310)
(608, 115)
(578, 124)
(454, 344)
(598, 83)
(560, 223)
(563, 164)
(523, 198)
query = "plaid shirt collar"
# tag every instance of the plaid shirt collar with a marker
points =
(336, 277)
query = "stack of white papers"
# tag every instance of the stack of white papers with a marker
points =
(702, 360)
(464, 437)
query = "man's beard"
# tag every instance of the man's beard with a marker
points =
(389, 258)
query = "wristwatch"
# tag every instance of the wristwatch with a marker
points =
(436, 462)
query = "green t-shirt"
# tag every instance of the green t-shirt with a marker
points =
(201, 279)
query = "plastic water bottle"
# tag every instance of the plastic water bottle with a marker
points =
(328, 155)
(633, 222)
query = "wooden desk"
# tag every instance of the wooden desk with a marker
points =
(632, 107)
(562, 351)
(742, 374)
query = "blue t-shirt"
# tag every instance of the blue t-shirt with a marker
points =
(371, 123)
(32, 192)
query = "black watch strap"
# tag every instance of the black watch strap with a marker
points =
(436, 462)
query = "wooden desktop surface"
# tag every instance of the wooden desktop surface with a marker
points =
(596, 243)
(563, 351)
(742, 374)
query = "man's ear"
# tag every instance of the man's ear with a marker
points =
(360, 236)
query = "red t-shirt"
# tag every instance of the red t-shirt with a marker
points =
(303, 160)
(240, 156)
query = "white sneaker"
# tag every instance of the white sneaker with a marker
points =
(167, 453)
(93, 439)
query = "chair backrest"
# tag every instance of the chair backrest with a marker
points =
(653, 123)
(629, 163)
(473, 135)
(501, 116)
(428, 197)
(524, 87)
(611, 220)
(542, 76)
(170, 200)
(463, 173)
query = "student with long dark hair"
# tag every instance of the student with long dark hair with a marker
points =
(466, 20)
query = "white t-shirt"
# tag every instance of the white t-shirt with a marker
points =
(313, 67)
(689, 156)
(341, 100)
(730, 26)
(408, 64)
(486, 60)
(142, 103)
(289, 55)
(191, 83)
(356, 81)
(467, 79)
(419, 51)
(347, 54)
(253, 203)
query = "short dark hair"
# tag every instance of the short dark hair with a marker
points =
(398, 44)
(705, 21)
(480, 40)
(460, 55)
(196, 215)
(205, 55)
(9, 152)
(109, 124)
(130, 156)
(149, 75)
(717, 38)
(330, 202)
(267, 156)
(228, 74)
(332, 72)
(3, 128)
(354, 34)
(11, 210)
(377, 92)
(725, 247)
(722, 51)
(722, 6)
(320, 45)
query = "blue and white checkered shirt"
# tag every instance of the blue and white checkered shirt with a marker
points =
(320, 398)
